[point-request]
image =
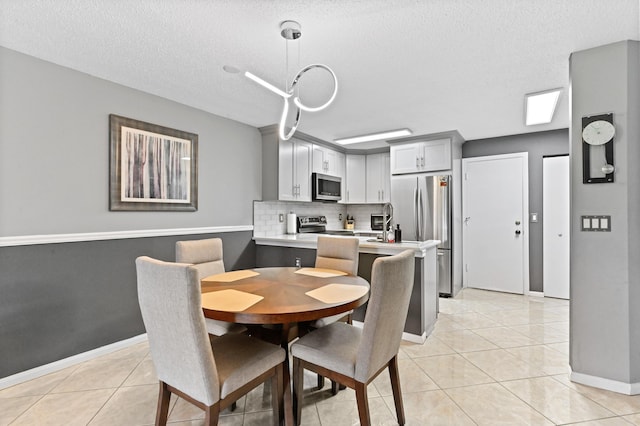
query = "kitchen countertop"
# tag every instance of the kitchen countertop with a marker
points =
(366, 246)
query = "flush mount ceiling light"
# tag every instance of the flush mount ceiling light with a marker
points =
(291, 30)
(374, 136)
(540, 106)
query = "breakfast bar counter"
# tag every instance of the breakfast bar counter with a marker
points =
(286, 249)
(367, 245)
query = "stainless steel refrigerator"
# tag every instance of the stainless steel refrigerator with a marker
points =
(422, 208)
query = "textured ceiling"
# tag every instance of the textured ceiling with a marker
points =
(430, 65)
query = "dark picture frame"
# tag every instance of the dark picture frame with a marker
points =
(151, 167)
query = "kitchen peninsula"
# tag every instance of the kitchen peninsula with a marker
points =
(282, 250)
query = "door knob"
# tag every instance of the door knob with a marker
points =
(518, 232)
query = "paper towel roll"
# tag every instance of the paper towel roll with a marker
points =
(291, 223)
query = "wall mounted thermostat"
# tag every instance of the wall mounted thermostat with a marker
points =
(598, 133)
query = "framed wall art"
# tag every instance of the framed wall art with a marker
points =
(151, 167)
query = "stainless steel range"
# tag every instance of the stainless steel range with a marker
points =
(317, 225)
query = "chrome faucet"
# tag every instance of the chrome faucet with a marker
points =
(387, 215)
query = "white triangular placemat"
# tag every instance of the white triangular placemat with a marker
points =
(231, 276)
(320, 272)
(229, 300)
(336, 293)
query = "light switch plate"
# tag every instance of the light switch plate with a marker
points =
(595, 223)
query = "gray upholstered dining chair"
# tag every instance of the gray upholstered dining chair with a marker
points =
(354, 356)
(341, 254)
(206, 256)
(211, 373)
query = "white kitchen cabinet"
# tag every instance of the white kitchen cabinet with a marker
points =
(327, 161)
(425, 156)
(356, 178)
(378, 178)
(341, 170)
(286, 167)
(294, 170)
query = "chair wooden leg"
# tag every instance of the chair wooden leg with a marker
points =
(162, 412)
(277, 397)
(363, 404)
(212, 414)
(397, 392)
(298, 388)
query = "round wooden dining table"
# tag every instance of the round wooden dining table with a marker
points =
(284, 292)
(285, 296)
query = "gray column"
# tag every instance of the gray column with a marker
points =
(605, 266)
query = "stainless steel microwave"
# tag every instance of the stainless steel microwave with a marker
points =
(325, 187)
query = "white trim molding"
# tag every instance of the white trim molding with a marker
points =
(607, 384)
(535, 293)
(27, 240)
(34, 373)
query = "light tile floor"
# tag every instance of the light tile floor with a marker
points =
(493, 359)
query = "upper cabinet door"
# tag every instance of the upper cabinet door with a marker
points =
(294, 170)
(378, 179)
(356, 178)
(385, 177)
(427, 156)
(327, 161)
(302, 170)
(287, 189)
(437, 155)
(406, 158)
(319, 159)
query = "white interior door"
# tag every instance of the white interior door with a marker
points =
(555, 226)
(495, 236)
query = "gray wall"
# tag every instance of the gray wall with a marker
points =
(538, 145)
(60, 300)
(57, 300)
(54, 154)
(605, 274)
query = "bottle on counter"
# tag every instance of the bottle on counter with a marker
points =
(397, 234)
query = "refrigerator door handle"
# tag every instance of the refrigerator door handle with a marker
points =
(415, 212)
(420, 215)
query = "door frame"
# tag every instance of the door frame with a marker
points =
(525, 211)
(545, 225)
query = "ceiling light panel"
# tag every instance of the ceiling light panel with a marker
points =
(374, 136)
(541, 106)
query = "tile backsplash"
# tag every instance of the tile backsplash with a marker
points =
(266, 215)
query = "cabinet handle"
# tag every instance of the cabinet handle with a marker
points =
(422, 161)
(382, 199)
(417, 161)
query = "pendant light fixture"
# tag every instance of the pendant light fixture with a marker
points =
(291, 30)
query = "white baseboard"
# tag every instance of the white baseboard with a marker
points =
(34, 373)
(414, 338)
(536, 293)
(607, 384)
